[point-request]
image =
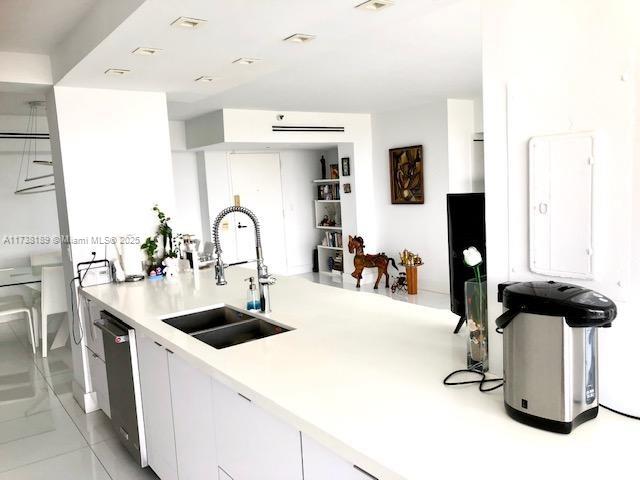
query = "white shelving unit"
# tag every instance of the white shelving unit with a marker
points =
(327, 180)
(331, 234)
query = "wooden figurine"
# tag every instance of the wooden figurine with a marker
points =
(411, 261)
(362, 261)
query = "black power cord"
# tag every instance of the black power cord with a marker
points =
(620, 413)
(76, 340)
(482, 381)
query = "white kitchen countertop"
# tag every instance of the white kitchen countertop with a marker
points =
(362, 374)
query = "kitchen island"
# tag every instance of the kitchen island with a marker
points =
(361, 375)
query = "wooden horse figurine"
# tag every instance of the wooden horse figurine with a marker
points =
(362, 261)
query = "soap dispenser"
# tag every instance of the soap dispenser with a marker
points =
(253, 301)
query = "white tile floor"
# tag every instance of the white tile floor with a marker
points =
(44, 434)
(424, 297)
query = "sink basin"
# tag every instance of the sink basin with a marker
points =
(206, 320)
(224, 327)
(243, 332)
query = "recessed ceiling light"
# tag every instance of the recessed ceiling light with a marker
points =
(299, 38)
(375, 5)
(147, 51)
(118, 72)
(246, 61)
(205, 79)
(188, 22)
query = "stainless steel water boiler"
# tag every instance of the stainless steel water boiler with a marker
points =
(550, 352)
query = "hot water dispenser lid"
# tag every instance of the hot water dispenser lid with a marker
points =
(579, 306)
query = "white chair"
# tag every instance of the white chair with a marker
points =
(52, 257)
(10, 308)
(48, 258)
(53, 300)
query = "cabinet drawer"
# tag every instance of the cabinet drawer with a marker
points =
(252, 444)
(98, 372)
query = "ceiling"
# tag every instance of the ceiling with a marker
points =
(14, 99)
(360, 61)
(36, 26)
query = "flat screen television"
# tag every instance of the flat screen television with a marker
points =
(466, 224)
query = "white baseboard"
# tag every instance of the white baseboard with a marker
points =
(298, 269)
(88, 401)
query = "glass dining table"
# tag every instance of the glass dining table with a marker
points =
(15, 276)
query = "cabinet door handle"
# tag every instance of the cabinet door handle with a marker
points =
(169, 351)
(364, 472)
(157, 343)
(246, 398)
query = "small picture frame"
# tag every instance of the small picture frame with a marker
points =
(334, 173)
(347, 188)
(346, 166)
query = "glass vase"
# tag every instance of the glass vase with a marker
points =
(477, 324)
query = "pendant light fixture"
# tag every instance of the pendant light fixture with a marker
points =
(30, 181)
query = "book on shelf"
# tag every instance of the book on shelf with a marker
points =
(338, 262)
(329, 192)
(332, 239)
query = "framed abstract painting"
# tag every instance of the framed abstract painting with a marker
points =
(406, 172)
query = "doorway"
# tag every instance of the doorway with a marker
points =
(257, 185)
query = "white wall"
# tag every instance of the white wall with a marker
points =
(245, 127)
(112, 163)
(460, 130)
(419, 228)
(298, 168)
(187, 215)
(29, 215)
(567, 78)
(29, 68)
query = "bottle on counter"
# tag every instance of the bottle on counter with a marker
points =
(253, 301)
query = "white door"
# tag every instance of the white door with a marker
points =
(255, 180)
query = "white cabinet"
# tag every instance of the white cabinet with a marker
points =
(192, 402)
(98, 372)
(253, 445)
(322, 464)
(156, 407)
(92, 334)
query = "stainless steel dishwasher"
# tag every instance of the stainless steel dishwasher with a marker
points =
(121, 358)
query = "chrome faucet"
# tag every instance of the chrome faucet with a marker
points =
(264, 278)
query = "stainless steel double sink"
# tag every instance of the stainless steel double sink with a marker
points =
(225, 327)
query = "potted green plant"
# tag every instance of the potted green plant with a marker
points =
(166, 232)
(150, 247)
